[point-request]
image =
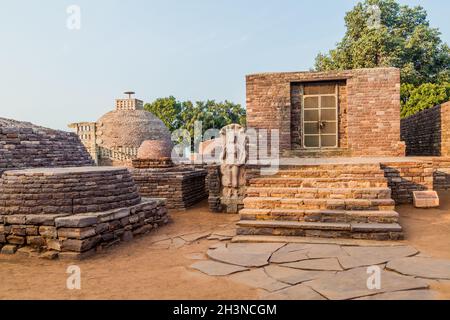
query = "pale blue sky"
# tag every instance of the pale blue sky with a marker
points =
(192, 49)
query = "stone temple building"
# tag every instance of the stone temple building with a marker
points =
(342, 159)
(115, 138)
(339, 113)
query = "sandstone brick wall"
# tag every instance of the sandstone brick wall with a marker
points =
(181, 188)
(67, 190)
(72, 212)
(406, 177)
(214, 188)
(24, 145)
(427, 133)
(79, 236)
(369, 102)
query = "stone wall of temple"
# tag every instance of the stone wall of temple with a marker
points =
(24, 145)
(427, 133)
(369, 127)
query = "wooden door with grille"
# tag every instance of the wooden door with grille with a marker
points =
(320, 115)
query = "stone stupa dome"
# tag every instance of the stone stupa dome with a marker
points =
(129, 128)
(155, 149)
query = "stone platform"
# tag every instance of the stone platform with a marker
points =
(72, 212)
(182, 187)
(340, 200)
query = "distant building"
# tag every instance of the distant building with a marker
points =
(115, 138)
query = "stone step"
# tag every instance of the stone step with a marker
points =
(337, 216)
(322, 204)
(277, 182)
(331, 166)
(318, 193)
(391, 231)
(324, 173)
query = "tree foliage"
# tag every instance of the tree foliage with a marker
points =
(183, 115)
(427, 95)
(404, 39)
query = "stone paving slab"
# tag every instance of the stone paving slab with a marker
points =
(285, 257)
(330, 264)
(404, 295)
(298, 292)
(246, 255)
(194, 236)
(368, 256)
(258, 279)
(422, 267)
(294, 276)
(352, 284)
(317, 251)
(213, 268)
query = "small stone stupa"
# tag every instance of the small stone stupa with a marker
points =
(158, 177)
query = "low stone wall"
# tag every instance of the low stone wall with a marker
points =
(406, 177)
(24, 145)
(441, 167)
(182, 187)
(427, 133)
(214, 186)
(66, 190)
(78, 236)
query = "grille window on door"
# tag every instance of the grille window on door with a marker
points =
(320, 115)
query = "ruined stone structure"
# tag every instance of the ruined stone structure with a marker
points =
(73, 212)
(156, 176)
(320, 200)
(342, 162)
(338, 113)
(115, 138)
(24, 145)
(427, 133)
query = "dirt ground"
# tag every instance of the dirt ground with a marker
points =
(142, 270)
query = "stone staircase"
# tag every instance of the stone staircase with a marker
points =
(330, 200)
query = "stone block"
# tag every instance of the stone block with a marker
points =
(80, 245)
(36, 241)
(48, 232)
(54, 244)
(426, 199)
(15, 240)
(77, 233)
(80, 221)
(9, 249)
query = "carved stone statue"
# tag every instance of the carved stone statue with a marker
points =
(233, 159)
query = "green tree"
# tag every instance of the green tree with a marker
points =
(427, 95)
(402, 39)
(183, 115)
(168, 110)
